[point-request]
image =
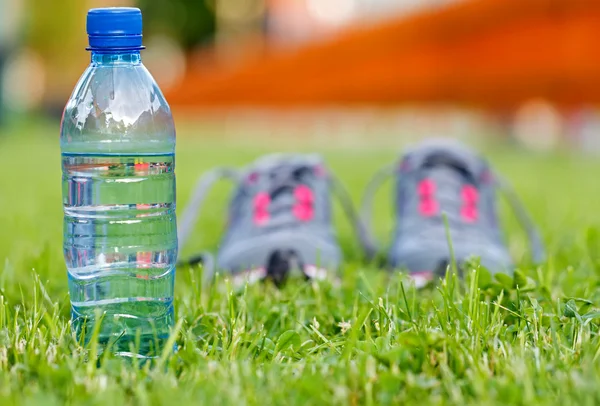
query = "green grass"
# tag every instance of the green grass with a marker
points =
(529, 340)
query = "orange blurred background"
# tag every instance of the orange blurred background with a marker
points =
(526, 69)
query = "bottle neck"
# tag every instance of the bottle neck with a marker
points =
(116, 57)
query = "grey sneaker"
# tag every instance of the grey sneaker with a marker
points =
(445, 178)
(279, 219)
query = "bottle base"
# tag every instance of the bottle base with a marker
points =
(122, 331)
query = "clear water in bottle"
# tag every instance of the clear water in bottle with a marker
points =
(120, 233)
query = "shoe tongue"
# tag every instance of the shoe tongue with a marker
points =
(285, 178)
(443, 162)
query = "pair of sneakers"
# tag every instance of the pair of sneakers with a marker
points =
(280, 216)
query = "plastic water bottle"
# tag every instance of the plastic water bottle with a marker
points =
(118, 162)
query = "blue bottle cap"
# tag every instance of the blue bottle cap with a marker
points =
(114, 28)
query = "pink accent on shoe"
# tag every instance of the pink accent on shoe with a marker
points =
(427, 206)
(320, 171)
(261, 208)
(252, 178)
(470, 196)
(304, 208)
(304, 194)
(426, 188)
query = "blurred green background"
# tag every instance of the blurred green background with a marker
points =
(42, 43)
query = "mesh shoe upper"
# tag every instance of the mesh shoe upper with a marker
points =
(282, 204)
(446, 179)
